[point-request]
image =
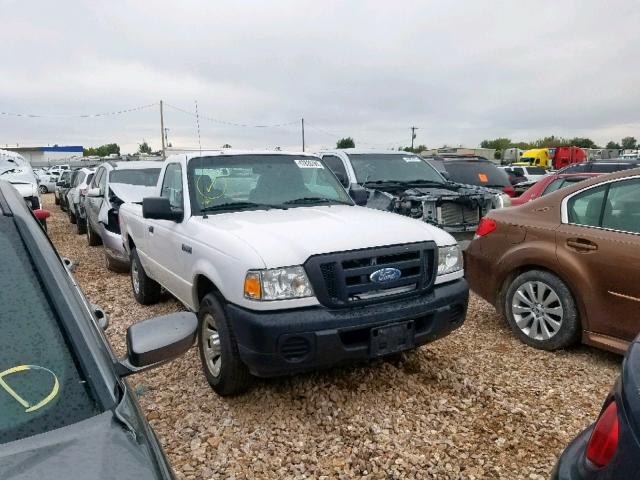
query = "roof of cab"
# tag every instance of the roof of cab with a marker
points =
(360, 151)
(221, 153)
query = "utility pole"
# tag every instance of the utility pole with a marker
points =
(303, 134)
(162, 132)
(413, 135)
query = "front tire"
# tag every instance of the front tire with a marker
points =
(72, 215)
(218, 348)
(145, 290)
(56, 200)
(93, 238)
(542, 311)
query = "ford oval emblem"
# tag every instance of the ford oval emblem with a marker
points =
(385, 275)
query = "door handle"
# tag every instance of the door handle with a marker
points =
(150, 229)
(581, 245)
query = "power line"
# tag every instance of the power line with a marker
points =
(233, 124)
(92, 115)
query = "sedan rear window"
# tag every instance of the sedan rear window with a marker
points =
(146, 177)
(536, 171)
(41, 386)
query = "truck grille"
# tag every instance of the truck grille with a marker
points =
(344, 279)
(450, 213)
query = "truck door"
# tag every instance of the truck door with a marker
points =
(601, 237)
(93, 204)
(166, 244)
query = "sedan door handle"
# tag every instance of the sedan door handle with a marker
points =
(581, 245)
(150, 229)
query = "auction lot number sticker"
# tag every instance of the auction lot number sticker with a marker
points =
(308, 163)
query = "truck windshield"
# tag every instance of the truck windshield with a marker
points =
(389, 167)
(146, 177)
(241, 182)
(41, 386)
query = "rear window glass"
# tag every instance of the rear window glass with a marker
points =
(609, 167)
(560, 183)
(477, 173)
(146, 177)
(41, 386)
(536, 170)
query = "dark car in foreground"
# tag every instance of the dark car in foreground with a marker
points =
(564, 267)
(609, 449)
(66, 411)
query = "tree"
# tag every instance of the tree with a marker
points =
(346, 143)
(613, 146)
(497, 144)
(416, 149)
(102, 150)
(629, 143)
(144, 148)
(583, 142)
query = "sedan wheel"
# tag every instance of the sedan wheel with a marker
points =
(135, 278)
(541, 310)
(42, 189)
(537, 310)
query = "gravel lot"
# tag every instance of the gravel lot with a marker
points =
(477, 404)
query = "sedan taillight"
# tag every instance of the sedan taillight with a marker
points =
(603, 443)
(509, 190)
(486, 226)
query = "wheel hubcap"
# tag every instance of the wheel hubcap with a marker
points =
(537, 310)
(211, 345)
(135, 280)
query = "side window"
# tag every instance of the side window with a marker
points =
(553, 186)
(586, 207)
(622, 207)
(102, 181)
(336, 166)
(96, 178)
(518, 171)
(172, 185)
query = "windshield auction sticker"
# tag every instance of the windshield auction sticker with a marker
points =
(309, 164)
(412, 159)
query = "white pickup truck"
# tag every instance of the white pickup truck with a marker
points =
(285, 271)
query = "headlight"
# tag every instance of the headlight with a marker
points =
(277, 284)
(503, 200)
(449, 259)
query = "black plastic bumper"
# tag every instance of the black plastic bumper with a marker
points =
(285, 342)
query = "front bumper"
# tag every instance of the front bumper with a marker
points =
(114, 247)
(324, 338)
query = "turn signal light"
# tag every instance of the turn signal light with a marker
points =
(252, 288)
(486, 226)
(604, 438)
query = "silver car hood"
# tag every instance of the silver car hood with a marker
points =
(131, 193)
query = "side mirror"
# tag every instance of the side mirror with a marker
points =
(159, 208)
(153, 342)
(359, 195)
(94, 192)
(342, 179)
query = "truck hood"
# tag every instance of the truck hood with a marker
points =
(289, 237)
(96, 448)
(131, 193)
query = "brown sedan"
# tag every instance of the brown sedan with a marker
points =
(566, 266)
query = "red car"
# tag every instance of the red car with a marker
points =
(549, 184)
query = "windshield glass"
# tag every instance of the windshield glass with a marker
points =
(41, 387)
(228, 183)
(480, 173)
(146, 177)
(389, 167)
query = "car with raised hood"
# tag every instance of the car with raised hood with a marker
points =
(66, 409)
(549, 184)
(564, 267)
(406, 184)
(114, 183)
(16, 170)
(76, 195)
(609, 448)
(286, 272)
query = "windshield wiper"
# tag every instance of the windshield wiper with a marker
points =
(304, 200)
(240, 206)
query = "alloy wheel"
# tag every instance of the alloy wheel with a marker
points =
(210, 339)
(135, 277)
(537, 310)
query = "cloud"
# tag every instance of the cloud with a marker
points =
(461, 71)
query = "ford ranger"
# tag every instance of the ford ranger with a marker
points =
(284, 270)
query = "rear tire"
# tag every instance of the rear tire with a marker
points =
(541, 311)
(93, 238)
(81, 227)
(145, 290)
(56, 200)
(72, 215)
(218, 349)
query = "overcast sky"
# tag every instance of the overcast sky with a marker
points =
(460, 71)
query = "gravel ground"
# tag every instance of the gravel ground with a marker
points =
(477, 404)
